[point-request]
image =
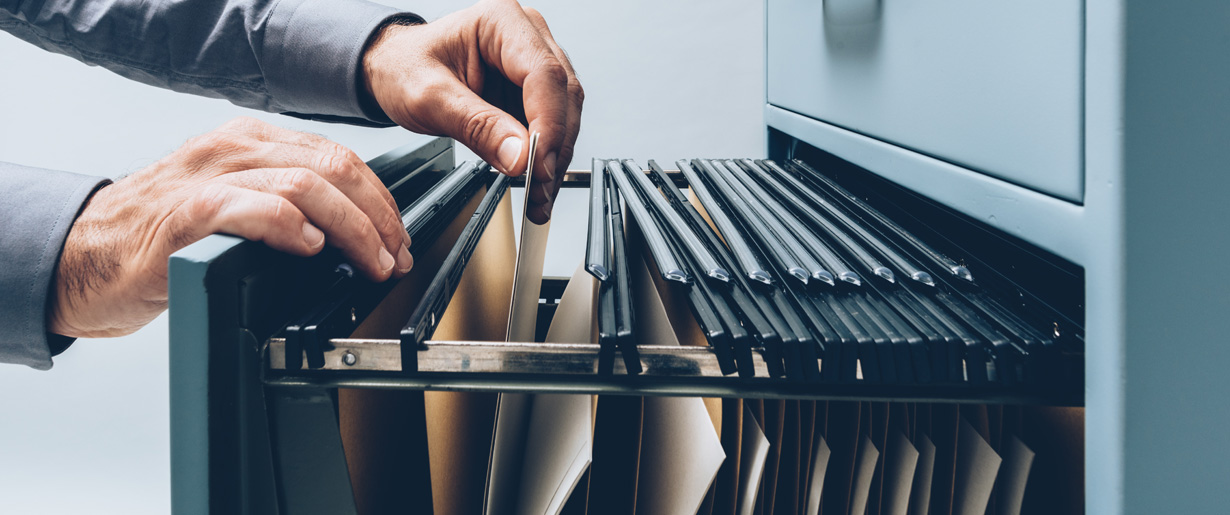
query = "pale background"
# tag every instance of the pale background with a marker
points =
(664, 80)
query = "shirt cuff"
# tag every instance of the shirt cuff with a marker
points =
(313, 51)
(38, 208)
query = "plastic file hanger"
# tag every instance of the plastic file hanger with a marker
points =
(819, 223)
(349, 299)
(625, 338)
(687, 240)
(669, 265)
(880, 245)
(597, 246)
(748, 262)
(767, 230)
(427, 314)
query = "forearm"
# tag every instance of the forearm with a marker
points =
(290, 56)
(38, 208)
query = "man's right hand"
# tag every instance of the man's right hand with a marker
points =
(291, 190)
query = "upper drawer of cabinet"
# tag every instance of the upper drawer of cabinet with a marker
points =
(994, 86)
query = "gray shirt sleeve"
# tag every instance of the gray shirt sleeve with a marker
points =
(298, 57)
(37, 208)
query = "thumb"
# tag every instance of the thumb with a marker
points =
(493, 134)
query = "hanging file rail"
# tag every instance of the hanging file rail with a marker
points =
(795, 287)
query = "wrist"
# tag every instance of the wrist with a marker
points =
(369, 68)
(84, 265)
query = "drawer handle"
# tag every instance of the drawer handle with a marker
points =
(851, 12)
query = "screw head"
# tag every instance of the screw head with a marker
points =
(349, 358)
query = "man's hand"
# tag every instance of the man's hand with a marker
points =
(294, 191)
(472, 76)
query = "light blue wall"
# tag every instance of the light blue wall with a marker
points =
(663, 80)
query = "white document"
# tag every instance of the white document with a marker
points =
(977, 467)
(899, 464)
(527, 278)
(920, 493)
(754, 449)
(864, 469)
(544, 443)
(819, 465)
(507, 453)
(1018, 460)
(680, 448)
(680, 456)
(558, 450)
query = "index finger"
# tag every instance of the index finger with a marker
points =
(514, 46)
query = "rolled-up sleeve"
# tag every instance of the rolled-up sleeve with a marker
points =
(38, 208)
(298, 57)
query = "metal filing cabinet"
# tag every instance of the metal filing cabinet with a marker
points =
(1095, 131)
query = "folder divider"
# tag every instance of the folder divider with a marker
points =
(818, 203)
(668, 263)
(809, 239)
(669, 221)
(777, 241)
(625, 336)
(853, 248)
(427, 314)
(746, 301)
(872, 218)
(714, 317)
(598, 241)
(348, 301)
(749, 262)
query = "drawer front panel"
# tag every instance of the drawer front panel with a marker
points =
(993, 86)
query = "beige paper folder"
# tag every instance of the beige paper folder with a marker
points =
(924, 472)
(1013, 476)
(899, 464)
(815, 484)
(385, 433)
(864, 469)
(976, 470)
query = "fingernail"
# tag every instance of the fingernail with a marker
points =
(509, 153)
(386, 260)
(549, 163)
(312, 236)
(404, 260)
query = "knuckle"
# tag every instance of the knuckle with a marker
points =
(554, 71)
(577, 92)
(480, 125)
(280, 210)
(366, 232)
(335, 165)
(243, 124)
(208, 202)
(391, 225)
(296, 182)
(215, 145)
